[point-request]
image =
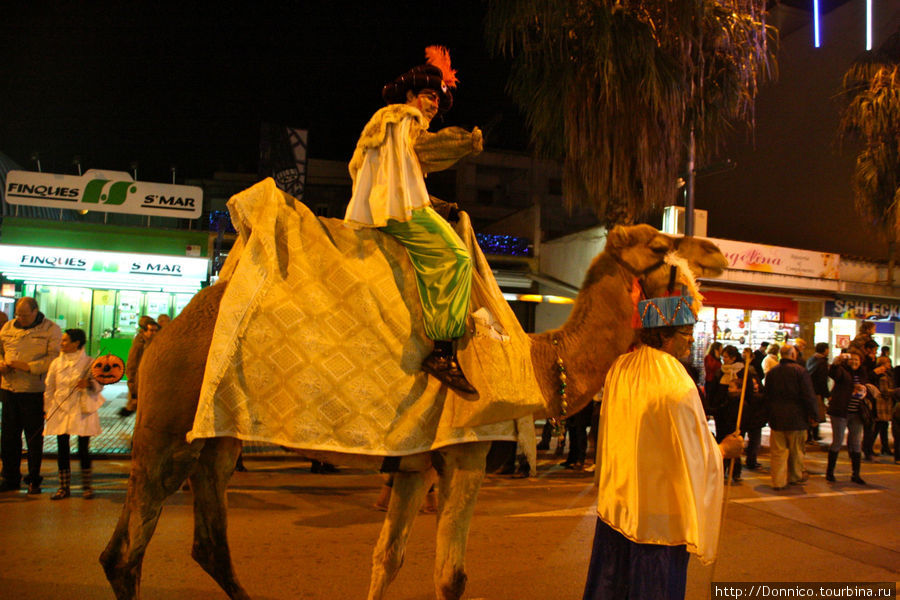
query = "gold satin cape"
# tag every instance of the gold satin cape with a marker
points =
(660, 467)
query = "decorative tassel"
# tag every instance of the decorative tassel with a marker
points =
(439, 57)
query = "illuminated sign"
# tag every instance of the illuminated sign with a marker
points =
(104, 192)
(862, 309)
(744, 256)
(95, 269)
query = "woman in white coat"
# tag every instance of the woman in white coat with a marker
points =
(71, 401)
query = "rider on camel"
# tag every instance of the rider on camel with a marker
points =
(393, 155)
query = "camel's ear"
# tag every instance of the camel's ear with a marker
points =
(619, 237)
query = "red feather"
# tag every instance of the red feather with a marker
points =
(439, 56)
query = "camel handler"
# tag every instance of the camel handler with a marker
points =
(394, 153)
(661, 479)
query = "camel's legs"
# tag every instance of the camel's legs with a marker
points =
(406, 498)
(208, 482)
(159, 466)
(460, 481)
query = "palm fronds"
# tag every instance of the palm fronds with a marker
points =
(614, 87)
(872, 116)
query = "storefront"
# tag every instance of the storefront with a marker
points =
(744, 320)
(104, 293)
(843, 316)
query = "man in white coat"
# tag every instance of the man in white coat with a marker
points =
(28, 344)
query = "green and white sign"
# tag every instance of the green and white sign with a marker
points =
(106, 270)
(103, 191)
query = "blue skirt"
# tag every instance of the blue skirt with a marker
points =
(624, 570)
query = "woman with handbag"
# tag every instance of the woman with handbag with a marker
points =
(848, 393)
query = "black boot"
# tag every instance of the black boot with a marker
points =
(855, 459)
(832, 461)
(442, 365)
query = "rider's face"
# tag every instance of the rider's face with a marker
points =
(426, 101)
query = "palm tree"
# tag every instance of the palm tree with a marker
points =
(616, 88)
(872, 116)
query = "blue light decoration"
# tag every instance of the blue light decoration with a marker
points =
(506, 245)
(816, 39)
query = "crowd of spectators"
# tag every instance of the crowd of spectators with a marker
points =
(793, 394)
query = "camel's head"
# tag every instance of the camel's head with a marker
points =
(701, 258)
(704, 257)
(640, 248)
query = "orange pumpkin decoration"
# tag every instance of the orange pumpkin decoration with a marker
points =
(108, 369)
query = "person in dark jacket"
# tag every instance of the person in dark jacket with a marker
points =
(874, 371)
(728, 401)
(792, 407)
(817, 365)
(758, 355)
(147, 328)
(843, 409)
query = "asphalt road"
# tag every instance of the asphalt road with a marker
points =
(302, 536)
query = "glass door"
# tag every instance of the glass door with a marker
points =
(103, 323)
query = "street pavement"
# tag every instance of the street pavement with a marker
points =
(297, 535)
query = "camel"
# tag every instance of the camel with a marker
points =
(598, 330)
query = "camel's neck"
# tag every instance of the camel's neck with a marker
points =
(597, 331)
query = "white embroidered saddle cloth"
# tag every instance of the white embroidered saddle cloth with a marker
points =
(319, 340)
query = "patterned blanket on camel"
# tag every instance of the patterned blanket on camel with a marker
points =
(319, 339)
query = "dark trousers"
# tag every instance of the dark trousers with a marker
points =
(577, 426)
(624, 570)
(754, 441)
(63, 452)
(22, 412)
(725, 425)
(868, 440)
(895, 430)
(881, 431)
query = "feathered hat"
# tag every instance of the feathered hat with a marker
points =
(435, 75)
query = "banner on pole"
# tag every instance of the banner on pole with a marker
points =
(282, 156)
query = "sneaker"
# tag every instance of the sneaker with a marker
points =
(34, 489)
(446, 370)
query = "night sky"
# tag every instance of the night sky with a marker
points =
(116, 83)
(119, 82)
